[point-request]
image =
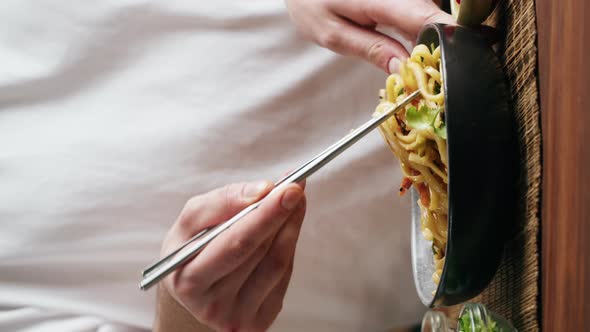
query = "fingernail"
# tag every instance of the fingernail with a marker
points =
(393, 65)
(253, 190)
(291, 198)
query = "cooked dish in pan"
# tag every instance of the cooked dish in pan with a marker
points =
(417, 136)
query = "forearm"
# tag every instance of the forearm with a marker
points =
(172, 317)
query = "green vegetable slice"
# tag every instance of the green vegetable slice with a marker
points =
(425, 117)
(469, 323)
(422, 118)
(441, 131)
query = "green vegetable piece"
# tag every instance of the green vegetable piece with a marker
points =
(421, 119)
(465, 324)
(441, 131)
(425, 117)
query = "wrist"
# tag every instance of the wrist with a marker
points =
(171, 316)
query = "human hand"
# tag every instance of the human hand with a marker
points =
(348, 26)
(239, 280)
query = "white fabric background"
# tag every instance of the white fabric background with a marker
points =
(114, 113)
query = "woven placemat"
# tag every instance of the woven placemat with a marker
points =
(514, 291)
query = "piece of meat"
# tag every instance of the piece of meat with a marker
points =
(405, 185)
(424, 193)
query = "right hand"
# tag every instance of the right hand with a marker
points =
(239, 280)
(348, 26)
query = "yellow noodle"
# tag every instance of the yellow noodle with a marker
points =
(421, 152)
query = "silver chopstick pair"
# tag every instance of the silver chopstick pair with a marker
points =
(154, 273)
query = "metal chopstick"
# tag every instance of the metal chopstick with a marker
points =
(155, 272)
(152, 267)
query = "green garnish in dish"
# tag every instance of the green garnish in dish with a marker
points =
(421, 118)
(427, 117)
(465, 324)
(440, 126)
